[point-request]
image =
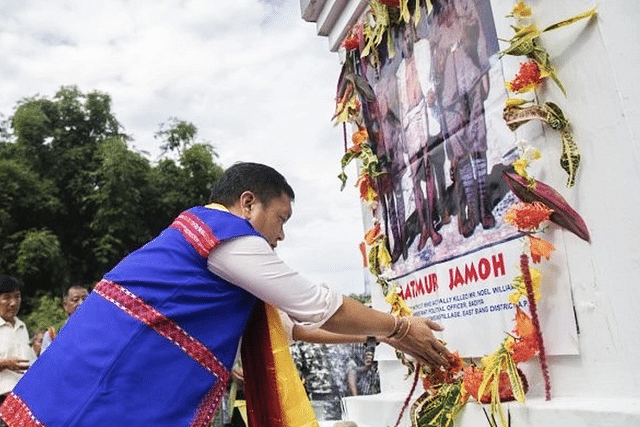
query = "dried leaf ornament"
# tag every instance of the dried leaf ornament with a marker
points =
(378, 255)
(501, 380)
(369, 162)
(376, 23)
(532, 190)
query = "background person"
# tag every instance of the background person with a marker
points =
(15, 351)
(36, 341)
(362, 375)
(72, 297)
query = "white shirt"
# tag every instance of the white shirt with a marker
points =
(250, 263)
(14, 342)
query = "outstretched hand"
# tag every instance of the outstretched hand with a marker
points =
(422, 344)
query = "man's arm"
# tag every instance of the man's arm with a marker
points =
(302, 333)
(416, 338)
(251, 264)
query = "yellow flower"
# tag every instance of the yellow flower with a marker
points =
(521, 9)
(521, 290)
(520, 167)
(384, 257)
(531, 153)
(398, 305)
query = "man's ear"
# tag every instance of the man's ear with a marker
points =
(247, 200)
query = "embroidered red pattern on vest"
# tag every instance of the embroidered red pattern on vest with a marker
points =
(16, 413)
(137, 308)
(197, 233)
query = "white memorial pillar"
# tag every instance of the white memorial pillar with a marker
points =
(599, 64)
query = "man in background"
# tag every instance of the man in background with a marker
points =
(15, 352)
(72, 297)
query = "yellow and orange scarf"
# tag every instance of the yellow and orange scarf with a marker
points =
(275, 395)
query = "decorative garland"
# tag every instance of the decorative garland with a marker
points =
(497, 378)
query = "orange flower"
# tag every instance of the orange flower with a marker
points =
(367, 187)
(358, 137)
(527, 216)
(525, 345)
(441, 376)
(473, 377)
(373, 234)
(352, 40)
(527, 79)
(539, 248)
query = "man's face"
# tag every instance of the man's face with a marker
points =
(9, 305)
(269, 219)
(75, 297)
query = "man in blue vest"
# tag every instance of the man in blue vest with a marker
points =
(155, 341)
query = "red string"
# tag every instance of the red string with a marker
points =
(408, 399)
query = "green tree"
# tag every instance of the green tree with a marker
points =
(75, 198)
(119, 203)
(47, 311)
(177, 135)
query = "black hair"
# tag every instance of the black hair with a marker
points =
(10, 284)
(65, 292)
(262, 180)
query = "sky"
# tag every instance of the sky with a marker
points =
(252, 76)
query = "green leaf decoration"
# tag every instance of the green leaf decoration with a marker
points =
(374, 27)
(437, 410)
(404, 11)
(514, 377)
(586, 14)
(372, 258)
(541, 57)
(570, 158)
(346, 159)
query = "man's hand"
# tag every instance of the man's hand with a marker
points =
(15, 364)
(421, 343)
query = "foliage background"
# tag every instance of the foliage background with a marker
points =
(75, 198)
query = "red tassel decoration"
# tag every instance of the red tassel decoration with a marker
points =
(526, 276)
